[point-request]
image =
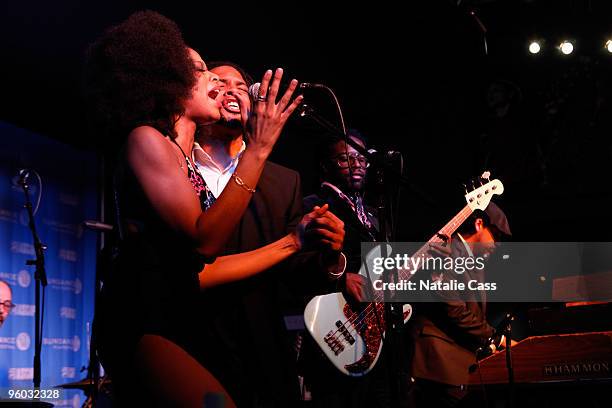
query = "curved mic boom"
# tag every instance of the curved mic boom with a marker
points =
(308, 85)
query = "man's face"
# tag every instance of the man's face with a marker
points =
(483, 239)
(231, 81)
(338, 164)
(5, 296)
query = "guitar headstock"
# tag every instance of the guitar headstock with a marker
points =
(480, 197)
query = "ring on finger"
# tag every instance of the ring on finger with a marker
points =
(261, 98)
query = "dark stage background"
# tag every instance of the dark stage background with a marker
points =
(412, 76)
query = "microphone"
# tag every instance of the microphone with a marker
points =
(24, 174)
(254, 90)
(389, 154)
(308, 85)
(304, 110)
(312, 85)
(501, 326)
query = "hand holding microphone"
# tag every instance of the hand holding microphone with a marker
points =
(263, 126)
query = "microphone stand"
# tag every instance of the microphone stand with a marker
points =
(504, 328)
(507, 331)
(308, 111)
(394, 331)
(40, 277)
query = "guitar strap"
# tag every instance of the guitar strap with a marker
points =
(355, 203)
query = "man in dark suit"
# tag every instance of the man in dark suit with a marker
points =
(447, 333)
(248, 347)
(343, 176)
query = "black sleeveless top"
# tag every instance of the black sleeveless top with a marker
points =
(151, 284)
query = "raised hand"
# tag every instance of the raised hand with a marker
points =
(267, 117)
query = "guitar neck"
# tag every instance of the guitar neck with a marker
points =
(446, 231)
(449, 229)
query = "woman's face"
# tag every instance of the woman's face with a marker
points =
(202, 106)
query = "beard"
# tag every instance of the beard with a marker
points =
(227, 128)
(230, 123)
(223, 130)
(345, 184)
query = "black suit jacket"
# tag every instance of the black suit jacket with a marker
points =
(247, 346)
(354, 231)
(447, 333)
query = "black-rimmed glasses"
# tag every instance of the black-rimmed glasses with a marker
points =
(8, 304)
(344, 161)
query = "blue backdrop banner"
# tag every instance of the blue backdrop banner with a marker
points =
(68, 195)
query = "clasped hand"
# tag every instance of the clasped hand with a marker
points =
(320, 229)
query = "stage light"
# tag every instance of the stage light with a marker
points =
(534, 47)
(609, 46)
(566, 47)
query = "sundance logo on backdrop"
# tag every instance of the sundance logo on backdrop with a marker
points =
(59, 343)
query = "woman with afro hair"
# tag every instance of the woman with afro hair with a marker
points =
(148, 93)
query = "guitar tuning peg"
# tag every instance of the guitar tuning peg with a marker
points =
(473, 184)
(465, 187)
(486, 176)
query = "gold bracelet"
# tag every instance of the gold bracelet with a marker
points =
(242, 184)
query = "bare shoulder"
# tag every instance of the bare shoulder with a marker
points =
(148, 144)
(146, 139)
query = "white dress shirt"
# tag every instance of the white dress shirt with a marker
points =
(216, 179)
(214, 175)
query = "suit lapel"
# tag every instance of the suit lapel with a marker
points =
(345, 212)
